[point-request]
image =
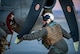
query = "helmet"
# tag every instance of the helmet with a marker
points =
(47, 16)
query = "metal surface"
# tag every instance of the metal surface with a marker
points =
(23, 16)
(18, 15)
(69, 12)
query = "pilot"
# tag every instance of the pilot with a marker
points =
(51, 34)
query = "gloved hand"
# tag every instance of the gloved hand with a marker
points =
(76, 45)
(17, 40)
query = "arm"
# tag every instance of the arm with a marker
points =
(35, 35)
(66, 34)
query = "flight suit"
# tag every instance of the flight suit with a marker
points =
(52, 38)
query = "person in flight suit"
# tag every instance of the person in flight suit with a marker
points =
(51, 34)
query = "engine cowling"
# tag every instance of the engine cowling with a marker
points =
(49, 4)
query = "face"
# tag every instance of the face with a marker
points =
(44, 22)
(48, 21)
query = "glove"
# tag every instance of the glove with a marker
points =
(76, 46)
(17, 40)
